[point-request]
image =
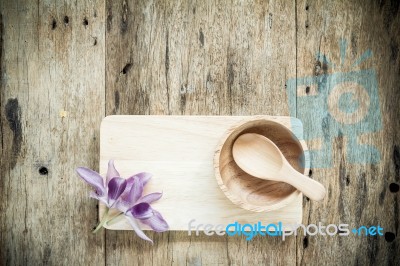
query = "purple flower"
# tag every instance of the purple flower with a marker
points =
(126, 195)
(147, 215)
(108, 192)
(137, 207)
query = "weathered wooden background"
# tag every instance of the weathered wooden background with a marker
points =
(64, 65)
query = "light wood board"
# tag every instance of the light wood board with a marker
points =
(178, 151)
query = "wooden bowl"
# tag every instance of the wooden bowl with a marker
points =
(249, 192)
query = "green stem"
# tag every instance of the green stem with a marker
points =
(110, 222)
(102, 222)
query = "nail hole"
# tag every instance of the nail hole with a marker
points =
(126, 68)
(307, 7)
(393, 187)
(53, 24)
(389, 236)
(307, 198)
(95, 41)
(305, 242)
(43, 171)
(347, 180)
(310, 173)
(85, 22)
(66, 20)
(307, 89)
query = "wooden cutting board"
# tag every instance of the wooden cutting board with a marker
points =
(178, 151)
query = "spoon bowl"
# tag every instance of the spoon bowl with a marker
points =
(260, 157)
(249, 192)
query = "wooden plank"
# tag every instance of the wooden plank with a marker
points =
(52, 103)
(179, 152)
(209, 58)
(359, 193)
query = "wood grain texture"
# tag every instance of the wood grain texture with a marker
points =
(178, 57)
(198, 58)
(179, 152)
(52, 103)
(358, 194)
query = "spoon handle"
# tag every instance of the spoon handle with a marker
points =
(311, 188)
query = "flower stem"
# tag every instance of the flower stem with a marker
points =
(102, 222)
(114, 219)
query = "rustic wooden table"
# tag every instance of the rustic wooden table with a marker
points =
(65, 65)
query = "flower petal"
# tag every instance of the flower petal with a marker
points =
(135, 227)
(124, 202)
(139, 181)
(103, 199)
(141, 211)
(116, 187)
(93, 195)
(111, 171)
(129, 182)
(152, 197)
(92, 178)
(122, 205)
(156, 222)
(144, 177)
(136, 190)
(133, 191)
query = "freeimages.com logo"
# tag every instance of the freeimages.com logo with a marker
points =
(281, 230)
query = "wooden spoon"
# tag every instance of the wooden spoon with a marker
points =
(261, 158)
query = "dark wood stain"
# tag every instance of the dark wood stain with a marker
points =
(201, 38)
(109, 17)
(320, 68)
(382, 196)
(167, 53)
(394, 50)
(1, 78)
(361, 195)
(396, 213)
(183, 100)
(116, 99)
(230, 79)
(390, 13)
(13, 116)
(46, 254)
(396, 162)
(342, 190)
(372, 249)
(124, 18)
(1, 48)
